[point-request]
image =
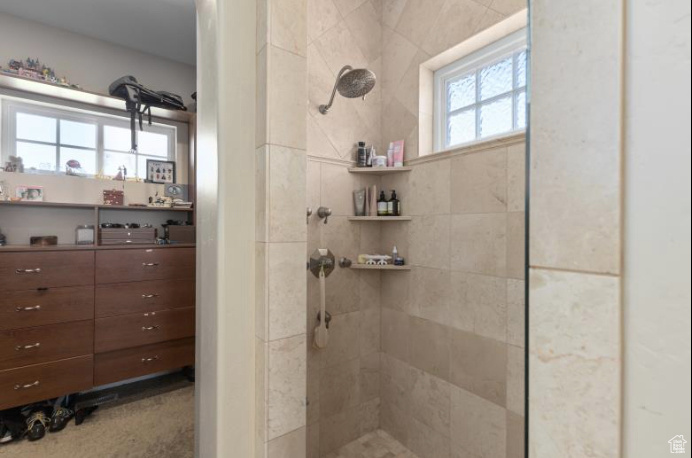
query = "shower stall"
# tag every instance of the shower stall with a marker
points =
(428, 360)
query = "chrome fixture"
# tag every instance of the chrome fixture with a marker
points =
(351, 83)
(328, 319)
(309, 213)
(345, 263)
(324, 213)
(320, 259)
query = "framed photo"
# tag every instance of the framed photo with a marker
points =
(29, 193)
(160, 171)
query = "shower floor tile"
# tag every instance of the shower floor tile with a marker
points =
(377, 444)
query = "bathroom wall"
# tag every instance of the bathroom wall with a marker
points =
(453, 327)
(343, 379)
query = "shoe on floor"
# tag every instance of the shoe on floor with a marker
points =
(61, 417)
(5, 434)
(36, 425)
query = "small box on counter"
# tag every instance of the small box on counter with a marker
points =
(113, 197)
(127, 236)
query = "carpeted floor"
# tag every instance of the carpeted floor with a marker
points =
(152, 427)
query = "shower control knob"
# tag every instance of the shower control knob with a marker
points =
(324, 213)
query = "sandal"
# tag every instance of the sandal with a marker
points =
(36, 425)
(61, 417)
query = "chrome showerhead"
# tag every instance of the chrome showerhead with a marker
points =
(351, 84)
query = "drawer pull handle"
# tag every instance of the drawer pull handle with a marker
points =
(37, 270)
(149, 296)
(34, 308)
(150, 314)
(150, 264)
(148, 360)
(27, 386)
(27, 347)
(150, 328)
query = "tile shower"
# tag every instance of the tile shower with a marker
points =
(434, 357)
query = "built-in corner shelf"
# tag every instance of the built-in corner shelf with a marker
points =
(379, 170)
(379, 218)
(376, 267)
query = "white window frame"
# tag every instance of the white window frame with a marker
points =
(470, 64)
(11, 107)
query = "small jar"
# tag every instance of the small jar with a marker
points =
(84, 235)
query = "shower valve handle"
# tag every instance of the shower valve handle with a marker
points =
(324, 213)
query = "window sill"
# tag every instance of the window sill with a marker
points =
(472, 147)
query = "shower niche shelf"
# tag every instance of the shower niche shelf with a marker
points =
(379, 218)
(375, 267)
(379, 170)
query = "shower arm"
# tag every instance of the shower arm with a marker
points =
(324, 109)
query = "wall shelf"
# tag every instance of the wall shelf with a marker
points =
(90, 206)
(379, 218)
(371, 267)
(379, 170)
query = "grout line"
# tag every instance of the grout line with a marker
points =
(574, 271)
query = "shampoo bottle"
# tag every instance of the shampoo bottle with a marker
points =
(393, 205)
(382, 205)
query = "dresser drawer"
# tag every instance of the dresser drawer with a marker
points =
(116, 266)
(142, 296)
(126, 331)
(24, 309)
(120, 365)
(23, 347)
(46, 269)
(44, 381)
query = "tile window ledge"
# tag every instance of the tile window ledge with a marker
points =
(471, 147)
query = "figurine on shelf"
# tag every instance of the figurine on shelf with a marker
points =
(74, 168)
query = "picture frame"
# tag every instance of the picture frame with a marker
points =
(162, 172)
(29, 193)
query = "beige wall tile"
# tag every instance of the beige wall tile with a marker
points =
(391, 12)
(286, 200)
(261, 291)
(395, 291)
(261, 82)
(395, 334)
(343, 293)
(339, 388)
(515, 435)
(575, 165)
(479, 426)
(516, 243)
(287, 386)
(431, 294)
(287, 93)
(313, 177)
(479, 304)
(347, 6)
(429, 189)
(479, 182)
(313, 441)
(430, 401)
(262, 32)
(322, 15)
(479, 243)
(408, 89)
(581, 336)
(318, 143)
(337, 48)
(394, 422)
(291, 445)
(364, 24)
(369, 331)
(344, 339)
(400, 124)
(341, 236)
(369, 290)
(262, 193)
(320, 80)
(370, 416)
(425, 442)
(479, 365)
(369, 377)
(288, 25)
(429, 347)
(287, 289)
(313, 390)
(339, 430)
(458, 21)
(261, 383)
(429, 241)
(337, 190)
(508, 7)
(515, 379)
(397, 55)
(516, 177)
(418, 18)
(516, 312)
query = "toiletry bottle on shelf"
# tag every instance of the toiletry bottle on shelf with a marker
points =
(395, 254)
(362, 156)
(393, 205)
(382, 205)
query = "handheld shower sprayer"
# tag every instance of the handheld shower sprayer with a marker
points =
(351, 83)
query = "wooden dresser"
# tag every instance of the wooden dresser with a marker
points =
(72, 318)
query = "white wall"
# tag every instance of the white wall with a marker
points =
(657, 227)
(91, 63)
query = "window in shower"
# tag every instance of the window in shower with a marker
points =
(482, 95)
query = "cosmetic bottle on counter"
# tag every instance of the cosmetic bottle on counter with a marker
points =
(393, 205)
(362, 155)
(382, 205)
